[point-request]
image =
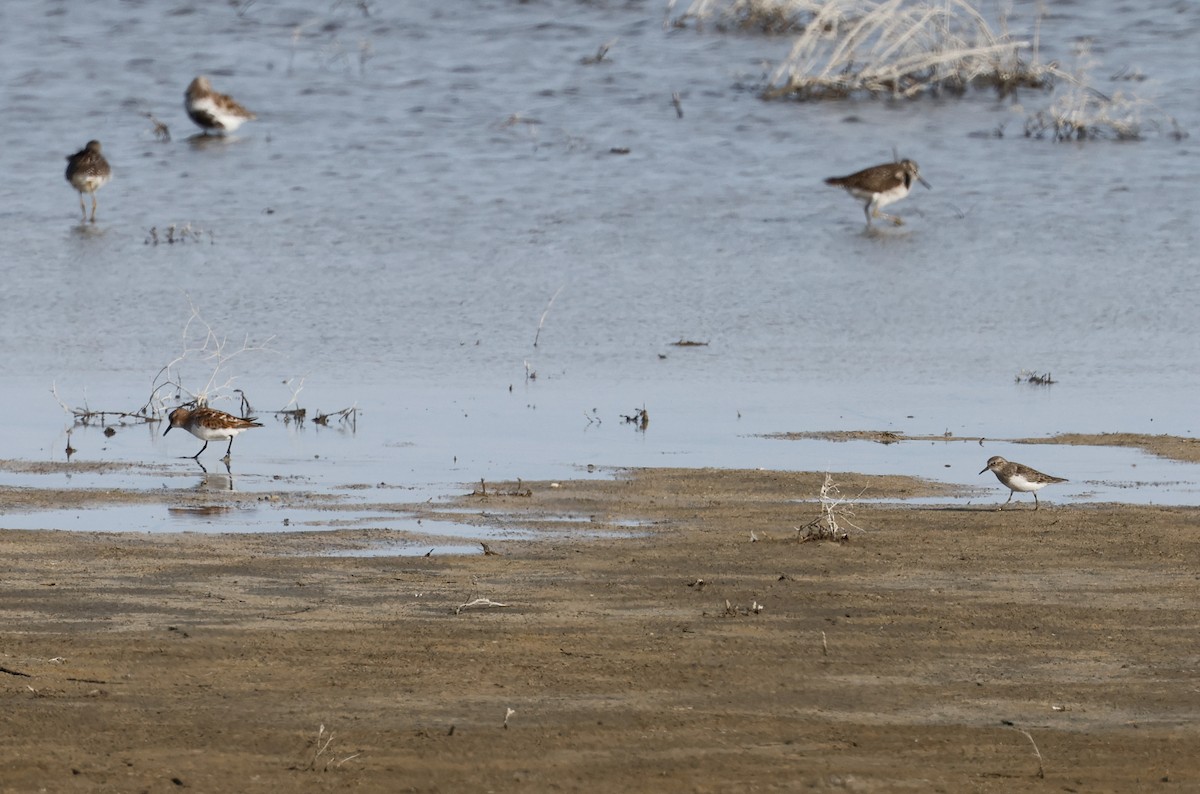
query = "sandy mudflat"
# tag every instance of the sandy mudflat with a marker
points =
(931, 652)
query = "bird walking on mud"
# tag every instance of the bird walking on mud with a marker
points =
(881, 185)
(209, 424)
(88, 171)
(1018, 477)
(213, 111)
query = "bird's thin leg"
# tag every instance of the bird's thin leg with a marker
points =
(93, 205)
(82, 207)
(884, 216)
(868, 210)
(1006, 501)
(197, 455)
(1036, 504)
(229, 449)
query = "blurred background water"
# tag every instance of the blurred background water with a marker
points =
(431, 186)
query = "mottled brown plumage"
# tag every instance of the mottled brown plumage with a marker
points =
(1019, 477)
(213, 111)
(88, 171)
(879, 186)
(209, 424)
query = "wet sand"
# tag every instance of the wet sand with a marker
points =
(937, 649)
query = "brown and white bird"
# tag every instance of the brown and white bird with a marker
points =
(209, 424)
(88, 171)
(213, 111)
(1018, 477)
(880, 185)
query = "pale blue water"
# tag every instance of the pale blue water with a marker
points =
(385, 233)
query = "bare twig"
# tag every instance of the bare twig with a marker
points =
(347, 416)
(201, 344)
(542, 321)
(85, 415)
(600, 55)
(1041, 773)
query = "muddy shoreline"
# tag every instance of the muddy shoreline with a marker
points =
(708, 651)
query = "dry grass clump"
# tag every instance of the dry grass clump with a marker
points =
(1085, 114)
(773, 17)
(903, 49)
(1082, 113)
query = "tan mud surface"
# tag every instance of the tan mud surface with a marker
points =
(1179, 448)
(932, 652)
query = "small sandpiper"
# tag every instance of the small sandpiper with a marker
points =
(879, 186)
(213, 111)
(88, 171)
(1018, 477)
(209, 424)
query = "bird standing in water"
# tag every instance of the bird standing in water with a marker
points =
(209, 424)
(88, 171)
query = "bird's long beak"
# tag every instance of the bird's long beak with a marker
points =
(928, 186)
(985, 468)
(168, 430)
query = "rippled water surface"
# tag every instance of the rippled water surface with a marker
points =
(430, 187)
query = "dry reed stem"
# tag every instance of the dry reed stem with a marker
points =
(1041, 773)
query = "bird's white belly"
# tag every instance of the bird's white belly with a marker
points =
(228, 121)
(89, 183)
(1018, 483)
(890, 196)
(215, 433)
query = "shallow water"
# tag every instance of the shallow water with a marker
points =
(422, 182)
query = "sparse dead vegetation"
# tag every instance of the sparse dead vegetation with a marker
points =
(178, 234)
(1034, 378)
(601, 53)
(832, 523)
(203, 351)
(86, 416)
(640, 418)
(200, 376)
(904, 50)
(1080, 112)
(520, 489)
(162, 132)
(323, 758)
(347, 417)
(736, 610)
(772, 17)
